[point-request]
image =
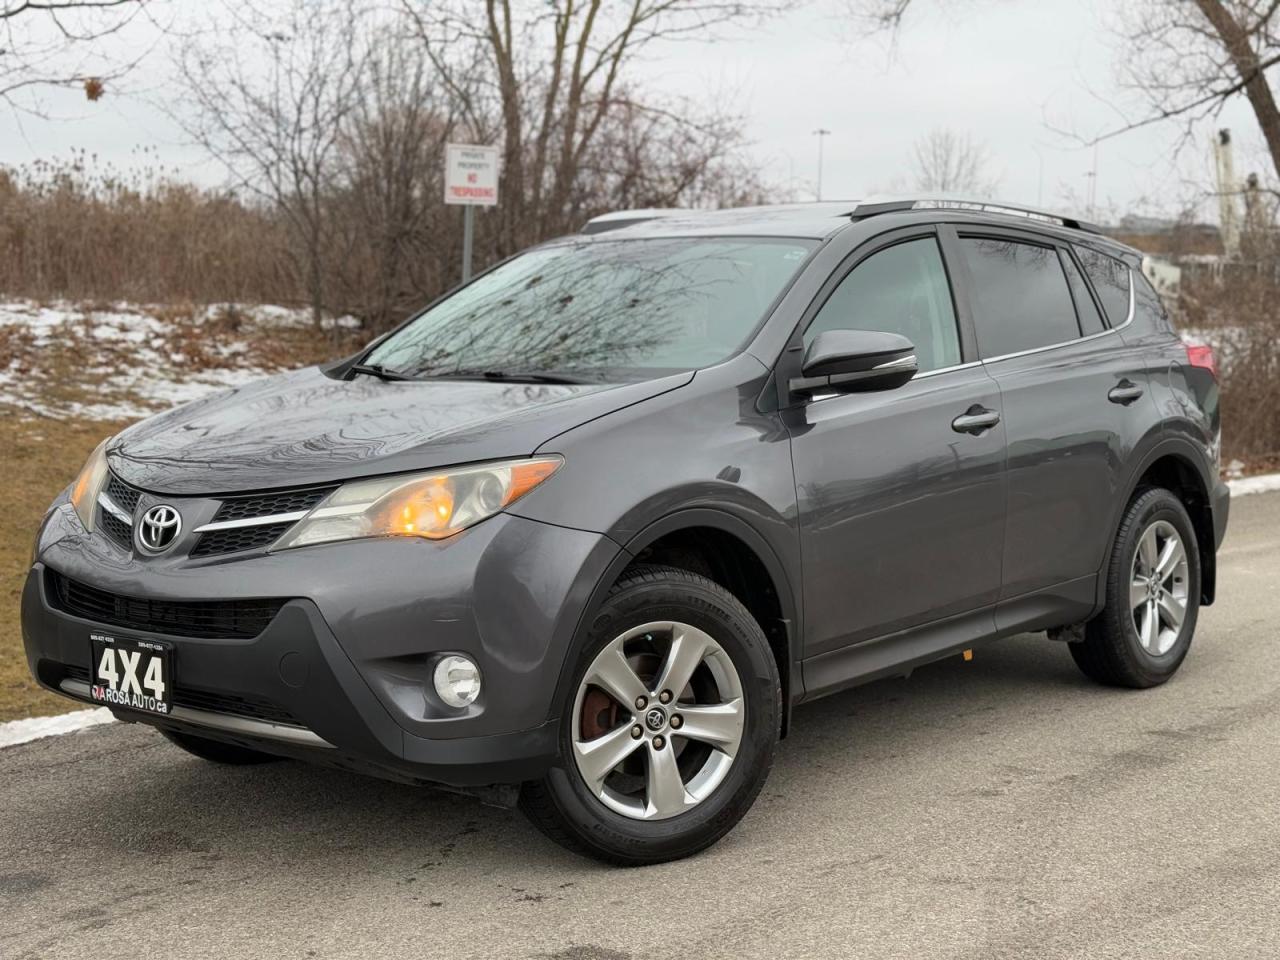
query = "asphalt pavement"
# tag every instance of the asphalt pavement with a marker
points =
(1000, 808)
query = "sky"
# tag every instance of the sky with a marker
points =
(1011, 74)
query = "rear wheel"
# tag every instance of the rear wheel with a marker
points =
(1153, 597)
(670, 729)
(216, 751)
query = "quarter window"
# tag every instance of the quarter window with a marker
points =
(1086, 309)
(1020, 296)
(902, 289)
(1110, 278)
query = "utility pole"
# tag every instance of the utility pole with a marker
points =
(1093, 186)
(821, 133)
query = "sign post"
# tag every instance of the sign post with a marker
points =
(470, 180)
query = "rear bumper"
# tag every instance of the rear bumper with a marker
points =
(341, 674)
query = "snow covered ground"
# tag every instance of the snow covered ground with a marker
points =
(126, 361)
(36, 728)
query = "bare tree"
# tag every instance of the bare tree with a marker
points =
(1189, 58)
(552, 75)
(1198, 54)
(395, 244)
(269, 99)
(950, 162)
(57, 43)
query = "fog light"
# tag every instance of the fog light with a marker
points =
(457, 681)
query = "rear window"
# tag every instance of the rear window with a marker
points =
(1020, 296)
(1110, 278)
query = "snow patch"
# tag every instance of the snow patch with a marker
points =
(1265, 483)
(24, 731)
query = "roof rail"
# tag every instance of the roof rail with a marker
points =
(626, 218)
(869, 208)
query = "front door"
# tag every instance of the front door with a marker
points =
(901, 493)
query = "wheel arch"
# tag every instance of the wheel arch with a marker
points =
(1177, 466)
(727, 550)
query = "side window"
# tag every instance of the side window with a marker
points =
(1086, 309)
(1110, 278)
(902, 289)
(1020, 296)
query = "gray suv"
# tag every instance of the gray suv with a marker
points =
(581, 534)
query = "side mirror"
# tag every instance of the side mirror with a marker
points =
(855, 361)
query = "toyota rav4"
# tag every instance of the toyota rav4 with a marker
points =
(582, 533)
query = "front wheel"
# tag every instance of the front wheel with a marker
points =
(670, 728)
(1153, 597)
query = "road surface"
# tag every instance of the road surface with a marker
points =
(1000, 808)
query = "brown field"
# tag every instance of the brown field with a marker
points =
(41, 456)
(44, 440)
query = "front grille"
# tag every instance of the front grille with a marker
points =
(122, 495)
(202, 619)
(238, 538)
(269, 504)
(115, 528)
(213, 701)
(252, 507)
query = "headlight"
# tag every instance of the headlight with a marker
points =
(84, 494)
(433, 505)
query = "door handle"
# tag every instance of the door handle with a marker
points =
(975, 420)
(1125, 392)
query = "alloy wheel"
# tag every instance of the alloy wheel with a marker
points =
(658, 720)
(1158, 587)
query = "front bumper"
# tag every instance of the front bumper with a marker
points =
(341, 675)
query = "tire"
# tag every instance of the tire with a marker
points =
(1113, 651)
(631, 817)
(216, 751)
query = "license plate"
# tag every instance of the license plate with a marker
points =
(137, 674)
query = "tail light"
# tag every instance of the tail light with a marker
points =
(1201, 355)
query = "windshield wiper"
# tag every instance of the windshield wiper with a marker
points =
(377, 370)
(511, 376)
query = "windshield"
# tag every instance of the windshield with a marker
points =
(607, 308)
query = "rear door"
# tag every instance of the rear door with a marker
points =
(901, 497)
(1075, 402)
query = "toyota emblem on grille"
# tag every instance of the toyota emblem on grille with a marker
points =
(159, 528)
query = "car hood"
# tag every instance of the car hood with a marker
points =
(305, 427)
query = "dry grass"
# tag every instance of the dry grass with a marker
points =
(43, 451)
(68, 230)
(41, 456)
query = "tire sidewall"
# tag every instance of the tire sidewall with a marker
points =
(1151, 508)
(746, 646)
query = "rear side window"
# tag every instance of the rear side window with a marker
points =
(1148, 307)
(902, 289)
(1020, 296)
(1086, 309)
(1110, 277)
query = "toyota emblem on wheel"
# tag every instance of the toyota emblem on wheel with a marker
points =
(159, 528)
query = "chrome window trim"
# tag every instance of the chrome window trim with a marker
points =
(954, 366)
(113, 508)
(1067, 343)
(252, 521)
